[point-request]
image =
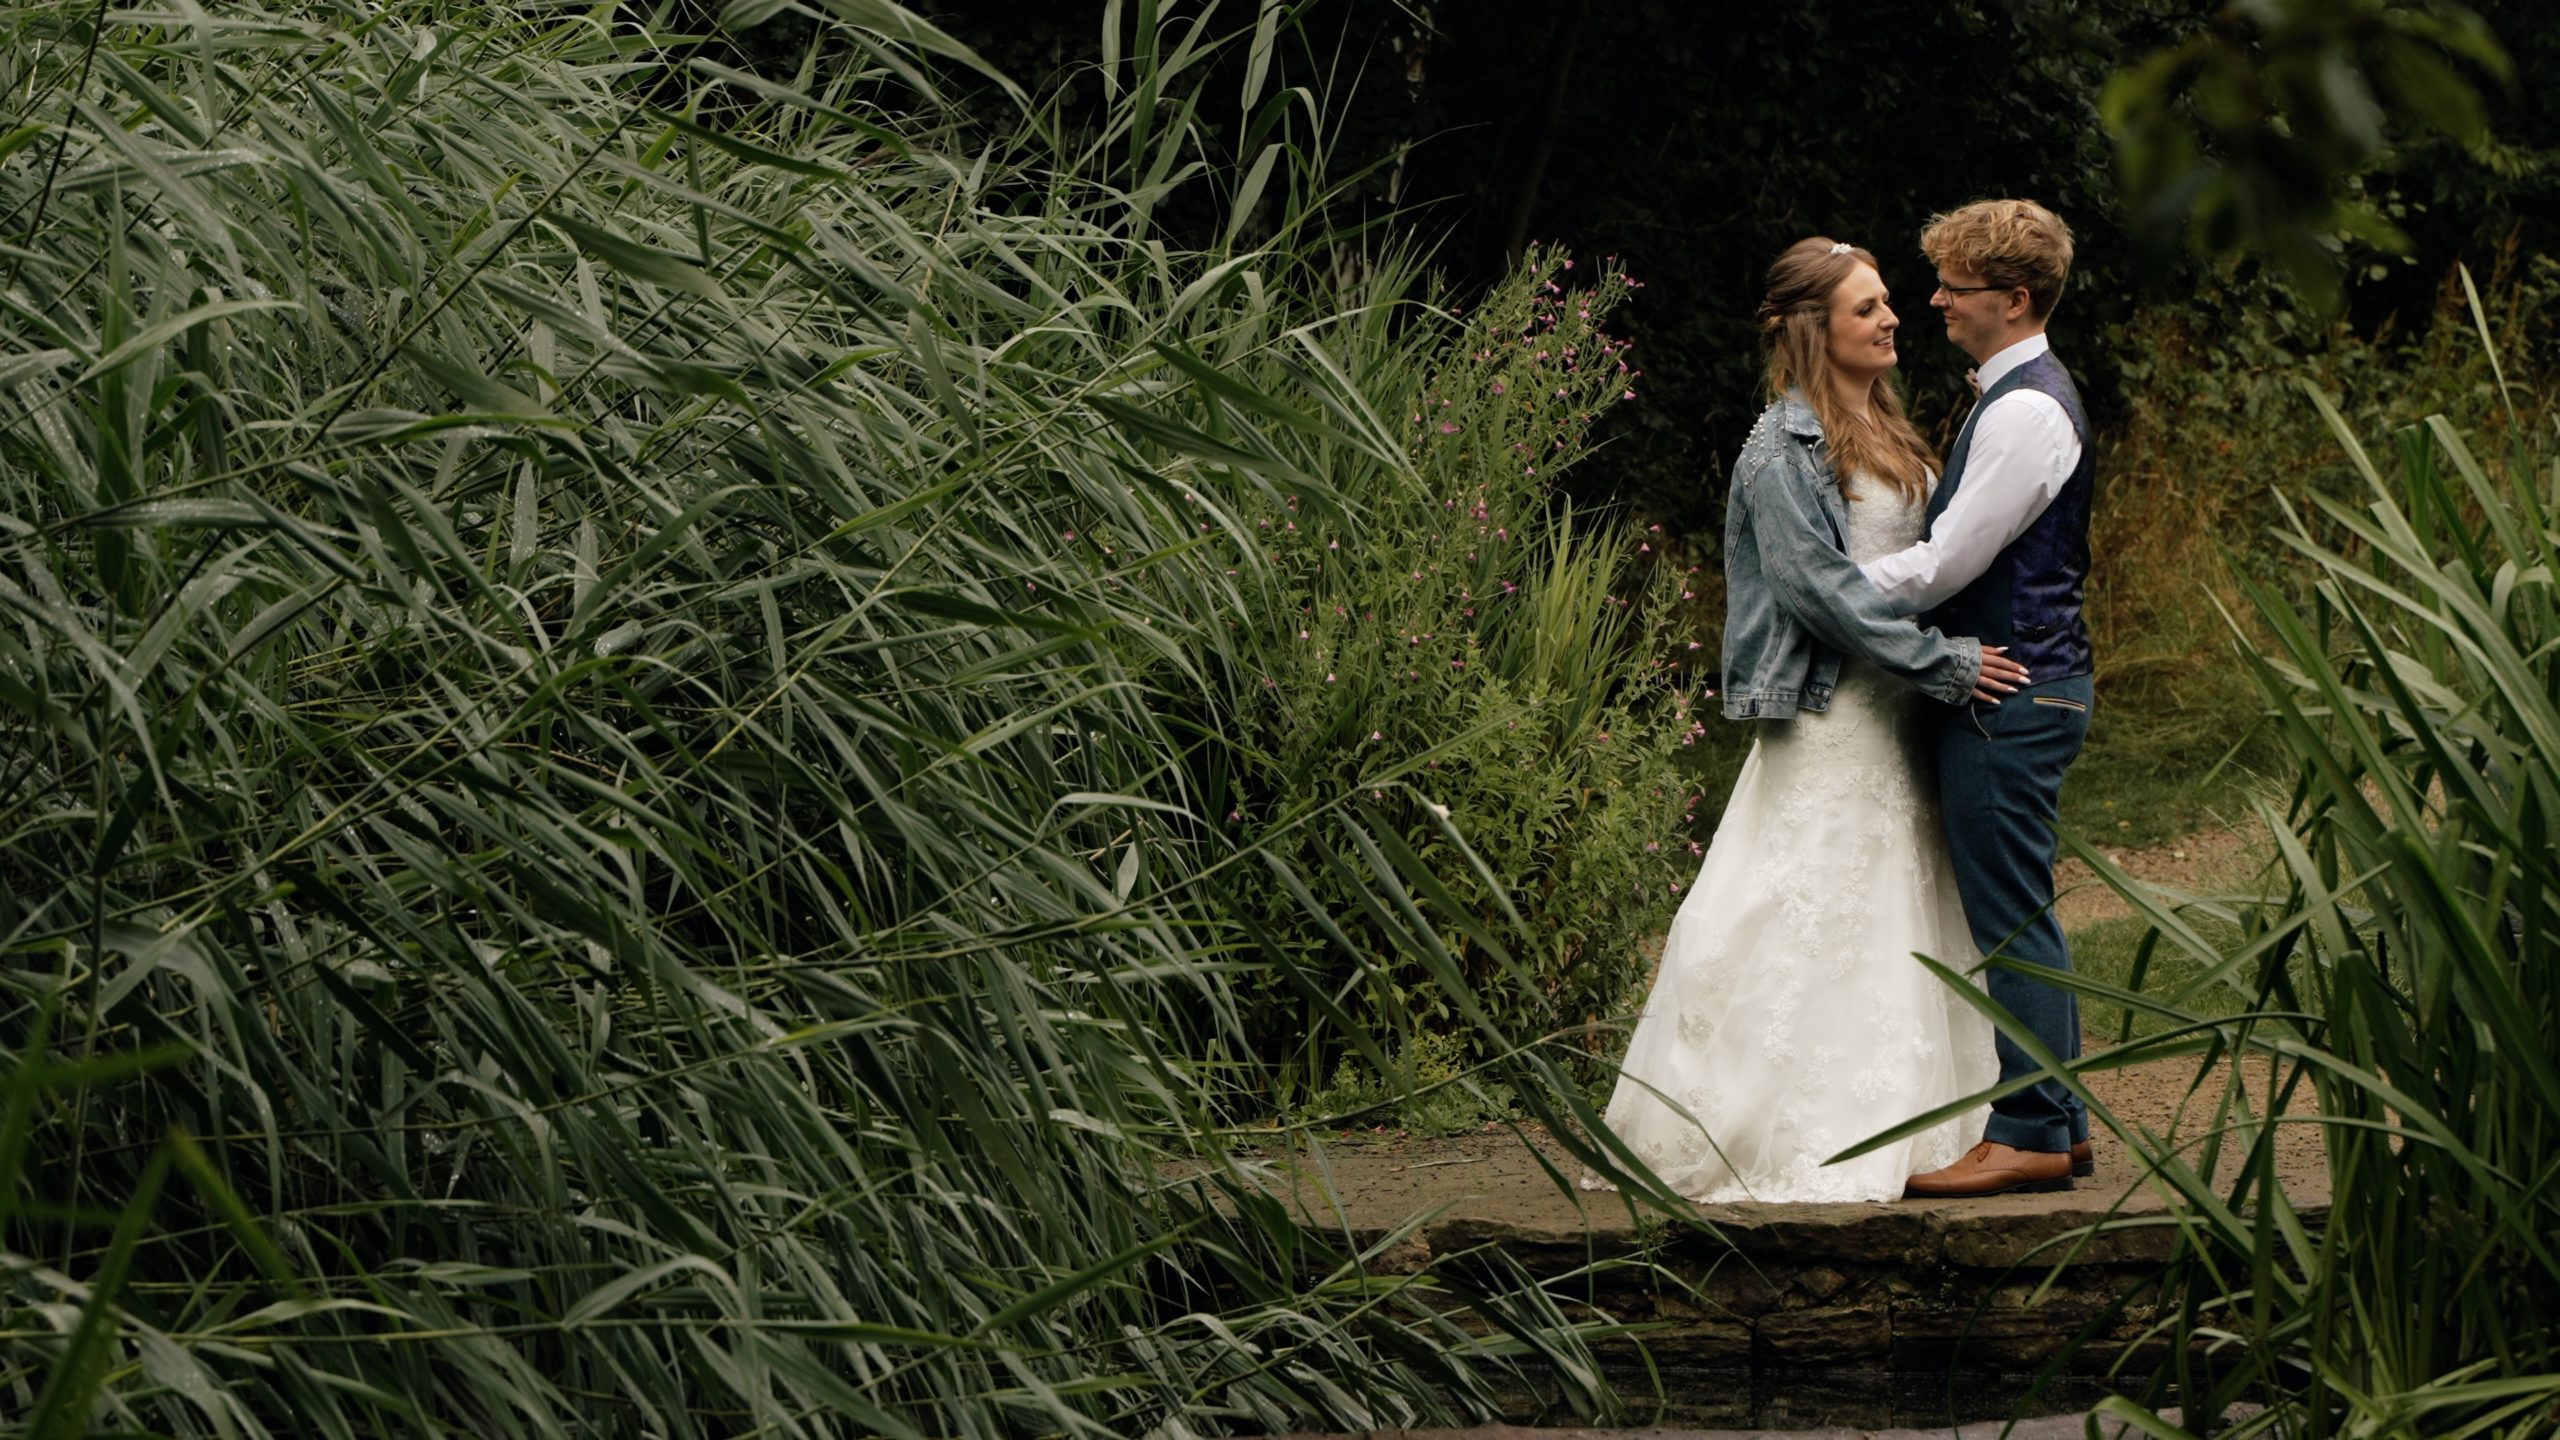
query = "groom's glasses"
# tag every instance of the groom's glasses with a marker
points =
(1946, 289)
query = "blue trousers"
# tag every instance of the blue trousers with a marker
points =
(2000, 773)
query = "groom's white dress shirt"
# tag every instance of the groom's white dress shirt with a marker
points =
(2023, 450)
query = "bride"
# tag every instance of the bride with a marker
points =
(1788, 1019)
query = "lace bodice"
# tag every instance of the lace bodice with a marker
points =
(1880, 520)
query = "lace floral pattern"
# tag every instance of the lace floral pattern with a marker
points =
(1789, 1019)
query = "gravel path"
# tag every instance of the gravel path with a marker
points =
(2215, 858)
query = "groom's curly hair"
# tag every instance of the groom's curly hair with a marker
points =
(2014, 244)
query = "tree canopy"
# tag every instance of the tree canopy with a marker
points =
(2357, 150)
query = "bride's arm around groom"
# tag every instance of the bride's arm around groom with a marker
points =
(1789, 580)
(1795, 601)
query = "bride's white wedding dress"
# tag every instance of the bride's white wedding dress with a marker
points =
(1788, 1017)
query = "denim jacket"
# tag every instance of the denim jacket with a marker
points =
(1794, 604)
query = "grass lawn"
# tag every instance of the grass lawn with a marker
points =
(2108, 951)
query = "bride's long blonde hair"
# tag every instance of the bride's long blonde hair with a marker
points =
(1795, 317)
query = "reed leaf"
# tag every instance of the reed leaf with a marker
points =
(617, 682)
(2398, 969)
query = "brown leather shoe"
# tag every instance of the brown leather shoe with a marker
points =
(1994, 1169)
(2083, 1163)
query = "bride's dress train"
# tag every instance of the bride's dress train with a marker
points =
(1788, 1016)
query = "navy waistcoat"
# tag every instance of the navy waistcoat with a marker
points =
(2029, 600)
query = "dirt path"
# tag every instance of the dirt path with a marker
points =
(1372, 1181)
(2208, 859)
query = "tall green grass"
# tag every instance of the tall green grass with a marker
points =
(2212, 432)
(585, 850)
(1508, 655)
(2405, 976)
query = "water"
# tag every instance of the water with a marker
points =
(1714, 1399)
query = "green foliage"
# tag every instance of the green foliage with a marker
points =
(1469, 664)
(2124, 953)
(2396, 970)
(2254, 136)
(1433, 1092)
(582, 857)
(2403, 975)
(2213, 441)
(1589, 124)
(1698, 186)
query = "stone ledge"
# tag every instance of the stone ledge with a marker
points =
(2050, 1427)
(1943, 1285)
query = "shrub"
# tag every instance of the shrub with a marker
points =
(2214, 432)
(583, 857)
(1488, 670)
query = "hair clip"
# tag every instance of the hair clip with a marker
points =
(1841, 247)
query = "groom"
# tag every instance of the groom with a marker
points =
(2005, 558)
